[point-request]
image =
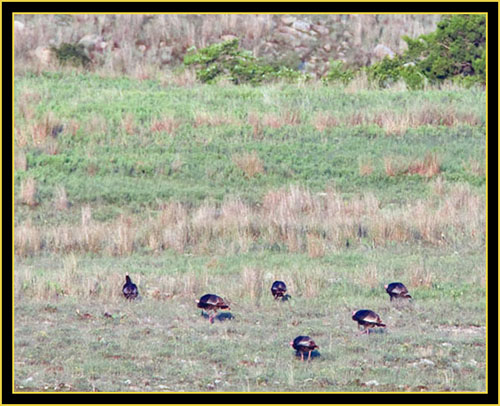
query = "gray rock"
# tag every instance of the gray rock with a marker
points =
(288, 20)
(381, 51)
(301, 25)
(18, 26)
(321, 29)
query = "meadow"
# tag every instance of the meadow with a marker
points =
(195, 189)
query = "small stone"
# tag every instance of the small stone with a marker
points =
(372, 383)
(425, 361)
(301, 25)
(288, 20)
(18, 26)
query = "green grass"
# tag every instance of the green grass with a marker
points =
(173, 347)
(297, 154)
(110, 158)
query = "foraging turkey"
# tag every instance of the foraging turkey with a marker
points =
(303, 344)
(129, 290)
(211, 302)
(278, 290)
(367, 319)
(397, 290)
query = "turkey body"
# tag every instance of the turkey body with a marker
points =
(212, 303)
(129, 290)
(397, 290)
(367, 319)
(303, 344)
(278, 290)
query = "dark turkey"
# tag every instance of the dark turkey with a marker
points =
(397, 290)
(129, 290)
(278, 290)
(367, 319)
(304, 344)
(212, 303)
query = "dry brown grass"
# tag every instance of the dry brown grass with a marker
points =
(293, 218)
(26, 105)
(29, 195)
(369, 277)
(281, 119)
(96, 124)
(27, 239)
(395, 166)
(428, 167)
(203, 118)
(398, 123)
(439, 186)
(420, 277)
(365, 167)
(129, 124)
(475, 167)
(252, 283)
(316, 247)
(323, 121)
(61, 201)
(256, 123)
(168, 125)
(42, 130)
(249, 163)
(20, 160)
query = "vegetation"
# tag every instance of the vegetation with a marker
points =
(208, 187)
(456, 50)
(71, 54)
(223, 189)
(239, 66)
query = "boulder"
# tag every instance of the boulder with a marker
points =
(92, 42)
(381, 51)
(288, 20)
(18, 26)
(228, 37)
(320, 29)
(301, 25)
(44, 55)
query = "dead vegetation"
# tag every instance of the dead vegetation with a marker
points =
(398, 123)
(249, 163)
(292, 218)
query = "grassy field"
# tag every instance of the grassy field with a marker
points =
(223, 189)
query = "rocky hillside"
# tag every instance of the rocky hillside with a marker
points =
(120, 43)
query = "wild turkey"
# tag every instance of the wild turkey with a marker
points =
(397, 290)
(213, 303)
(367, 319)
(278, 290)
(129, 290)
(303, 344)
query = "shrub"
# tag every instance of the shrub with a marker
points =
(73, 54)
(385, 72)
(457, 49)
(338, 72)
(225, 59)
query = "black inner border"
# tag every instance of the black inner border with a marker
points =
(257, 7)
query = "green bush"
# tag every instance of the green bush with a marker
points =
(338, 73)
(385, 72)
(225, 59)
(73, 54)
(456, 50)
